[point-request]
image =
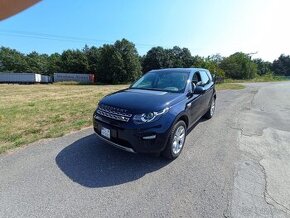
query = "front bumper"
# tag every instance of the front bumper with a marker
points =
(133, 138)
(115, 144)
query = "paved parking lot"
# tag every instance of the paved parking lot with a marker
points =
(234, 165)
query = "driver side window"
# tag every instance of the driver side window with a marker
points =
(196, 79)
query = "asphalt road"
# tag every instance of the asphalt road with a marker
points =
(234, 165)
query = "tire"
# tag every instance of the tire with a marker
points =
(209, 114)
(175, 144)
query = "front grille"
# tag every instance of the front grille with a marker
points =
(114, 113)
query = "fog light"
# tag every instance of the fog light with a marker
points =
(149, 137)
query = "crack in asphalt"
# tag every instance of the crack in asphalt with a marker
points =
(244, 134)
(267, 195)
(257, 158)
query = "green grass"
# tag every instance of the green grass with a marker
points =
(225, 86)
(32, 112)
(265, 78)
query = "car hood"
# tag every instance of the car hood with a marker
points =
(142, 101)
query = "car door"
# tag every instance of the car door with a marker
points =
(207, 84)
(195, 101)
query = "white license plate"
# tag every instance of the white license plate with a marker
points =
(105, 132)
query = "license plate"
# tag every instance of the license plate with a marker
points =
(105, 132)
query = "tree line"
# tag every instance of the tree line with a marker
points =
(121, 63)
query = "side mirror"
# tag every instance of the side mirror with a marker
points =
(198, 90)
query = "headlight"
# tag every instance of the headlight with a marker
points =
(149, 117)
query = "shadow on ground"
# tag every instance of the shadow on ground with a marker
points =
(93, 163)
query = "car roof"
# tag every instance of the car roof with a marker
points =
(193, 69)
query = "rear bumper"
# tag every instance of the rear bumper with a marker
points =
(132, 138)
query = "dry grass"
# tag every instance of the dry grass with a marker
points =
(32, 112)
(234, 86)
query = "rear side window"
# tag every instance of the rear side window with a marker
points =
(204, 77)
(209, 75)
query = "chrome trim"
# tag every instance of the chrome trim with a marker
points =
(114, 110)
(113, 116)
(114, 113)
(116, 145)
(149, 137)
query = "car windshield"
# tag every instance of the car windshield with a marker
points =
(169, 81)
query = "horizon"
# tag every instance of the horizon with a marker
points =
(203, 27)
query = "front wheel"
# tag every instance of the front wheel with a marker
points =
(209, 114)
(176, 141)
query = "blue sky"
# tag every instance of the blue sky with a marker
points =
(205, 27)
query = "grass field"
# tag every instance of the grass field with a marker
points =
(265, 78)
(32, 112)
(234, 86)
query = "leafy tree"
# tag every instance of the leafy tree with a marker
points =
(118, 63)
(281, 66)
(131, 62)
(211, 63)
(180, 57)
(110, 65)
(216, 58)
(263, 67)
(93, 55)
(12, 60)
(239, 66)
(158, 58)
(74, 61)
(37, 63)
(54, 63)
(197, 61)
(155, 58)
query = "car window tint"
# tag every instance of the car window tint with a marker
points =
(146, 81)
(209, 75)
(196, 79)
(204, 77)
(172, 81)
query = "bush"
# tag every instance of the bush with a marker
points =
(239, 66)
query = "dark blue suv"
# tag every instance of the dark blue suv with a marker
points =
(154, 114)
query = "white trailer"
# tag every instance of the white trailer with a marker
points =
(20, 78)
(76, 77)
